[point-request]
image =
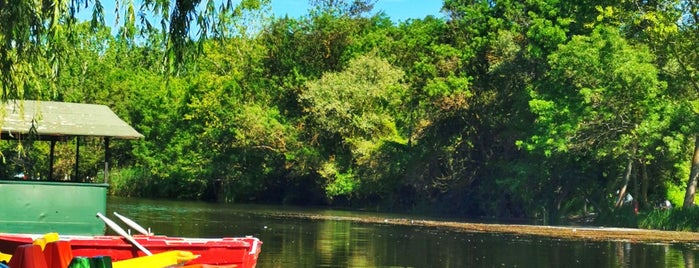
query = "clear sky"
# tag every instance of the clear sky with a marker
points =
(397, 10)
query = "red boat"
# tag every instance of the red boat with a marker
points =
(241, 252)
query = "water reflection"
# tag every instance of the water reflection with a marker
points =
(293, 241)
(688, 257)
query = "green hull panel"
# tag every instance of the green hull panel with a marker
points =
(39, 207)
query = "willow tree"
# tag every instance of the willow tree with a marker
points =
(35, 34)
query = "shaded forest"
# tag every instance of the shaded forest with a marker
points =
(508, 109)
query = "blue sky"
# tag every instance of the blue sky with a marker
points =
(397, 10)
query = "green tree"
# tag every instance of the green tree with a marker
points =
(603, 99)
(671, 28)
(354, 109)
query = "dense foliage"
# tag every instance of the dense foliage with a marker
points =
(517, 109)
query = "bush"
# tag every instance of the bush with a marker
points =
(622, 217)
(678, 219)
(129, 182)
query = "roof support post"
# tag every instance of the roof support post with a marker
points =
(53, 147)
(77, 157)
(106, 159)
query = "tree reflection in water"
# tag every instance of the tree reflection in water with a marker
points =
(292, 239)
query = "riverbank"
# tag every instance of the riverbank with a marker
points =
(583, 233)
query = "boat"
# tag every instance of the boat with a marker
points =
(33, 205)
(127, 250)
(239, 251)
(38, 201)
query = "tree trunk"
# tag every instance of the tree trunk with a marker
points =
(645, 181)
(692, 182)
(627, 178)
(636, 188)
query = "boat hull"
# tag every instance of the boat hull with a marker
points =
(30, 206)
(242, 252)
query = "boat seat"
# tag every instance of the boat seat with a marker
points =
(58, 254)
(28, 256)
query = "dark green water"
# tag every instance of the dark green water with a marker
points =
(291, 241)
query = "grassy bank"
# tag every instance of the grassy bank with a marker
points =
(678, 219)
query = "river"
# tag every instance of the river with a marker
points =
(293, 239)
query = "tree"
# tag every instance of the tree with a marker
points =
(676, 30)
(354, 109)
(343, 7)
(602, 98)
(669, 28)
(35, 34)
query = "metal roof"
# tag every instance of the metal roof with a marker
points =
(54, 120)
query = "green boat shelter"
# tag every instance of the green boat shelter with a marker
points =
(66, 207)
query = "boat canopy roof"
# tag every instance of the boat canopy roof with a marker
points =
(58, 120)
